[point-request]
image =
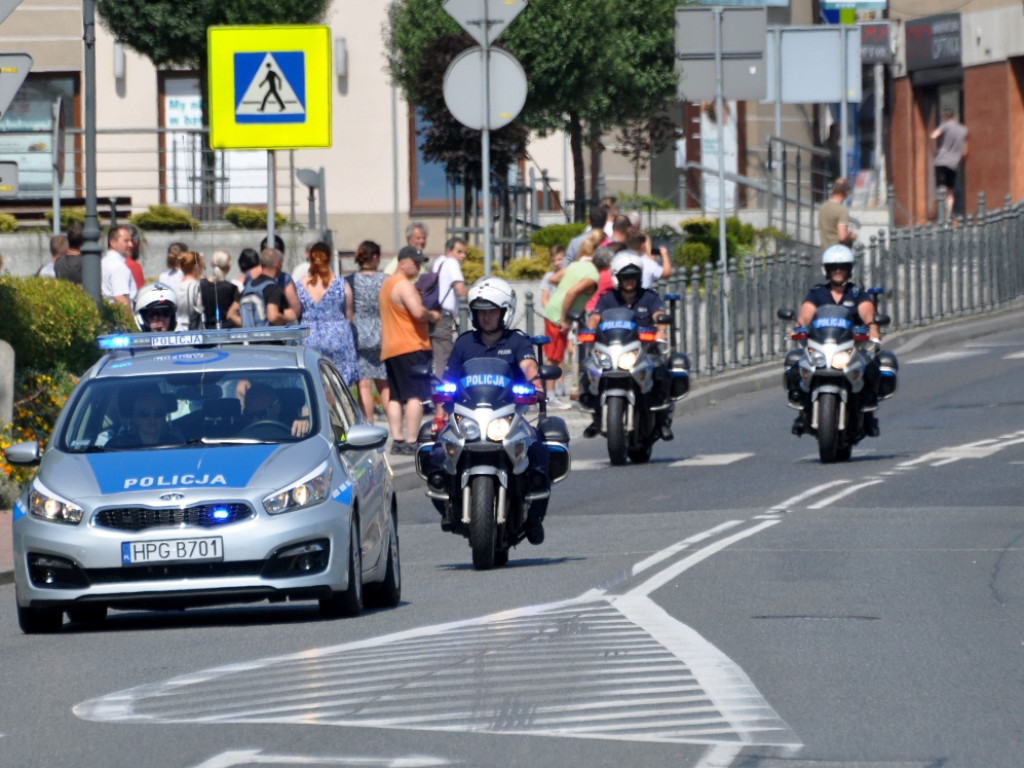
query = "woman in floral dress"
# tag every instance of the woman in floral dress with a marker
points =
(362, 308)
(322, 294)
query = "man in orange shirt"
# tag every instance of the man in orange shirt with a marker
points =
(404, 343)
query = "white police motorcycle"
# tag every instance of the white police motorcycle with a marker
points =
(487, 488)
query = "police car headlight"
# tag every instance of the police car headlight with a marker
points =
(627, 360)
(46, 507)
(497, 430)
(303, 494)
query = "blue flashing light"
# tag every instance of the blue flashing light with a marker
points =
(115, 342)
(221, 514)
(523, 390)
(446, 388)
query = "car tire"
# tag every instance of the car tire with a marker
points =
(350, 601)
(40, 621)
(388, 593)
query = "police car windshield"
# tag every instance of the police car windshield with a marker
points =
(186, 409)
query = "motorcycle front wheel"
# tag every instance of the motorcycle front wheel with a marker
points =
(828, 427)
(616, 429)
(483, 523)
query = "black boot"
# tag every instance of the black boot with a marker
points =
(798, 425)
(665, 427)
(594, 427)
(871, 425)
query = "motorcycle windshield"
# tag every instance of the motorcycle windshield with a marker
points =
(617, 325)
(485, 381)
(832, 323)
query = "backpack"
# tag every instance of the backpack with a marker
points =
(429, 286)
(252, 305)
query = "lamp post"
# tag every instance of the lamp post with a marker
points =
(91, 250)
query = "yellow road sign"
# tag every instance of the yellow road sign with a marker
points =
(270, 86)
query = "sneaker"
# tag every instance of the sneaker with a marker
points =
(554, 404)
(402, 448)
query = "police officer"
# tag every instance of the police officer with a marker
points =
(627, 269)
(492, 305)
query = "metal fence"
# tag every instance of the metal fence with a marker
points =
(928, 274)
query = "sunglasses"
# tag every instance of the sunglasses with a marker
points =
(150, 413)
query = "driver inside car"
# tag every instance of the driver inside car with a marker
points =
(261, 403)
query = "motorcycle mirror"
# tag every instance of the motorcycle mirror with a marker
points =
(663, 319)
(575, 317)
(882, 319)
(420, 372)
(785, 314)
(550, 372)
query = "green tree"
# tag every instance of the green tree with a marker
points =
(173, 33)
(592, 65)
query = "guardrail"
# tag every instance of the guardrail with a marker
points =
(928, 274)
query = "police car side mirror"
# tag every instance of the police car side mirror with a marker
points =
(27, 454)
(363, 437)
(785, 314)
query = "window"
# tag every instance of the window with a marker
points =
(428, 181)
(26, 132)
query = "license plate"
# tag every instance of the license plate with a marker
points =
(172, 550)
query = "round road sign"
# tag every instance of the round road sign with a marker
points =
(463, 86)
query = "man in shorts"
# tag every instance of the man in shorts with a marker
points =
(950, 150)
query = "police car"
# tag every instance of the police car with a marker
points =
(202, 468)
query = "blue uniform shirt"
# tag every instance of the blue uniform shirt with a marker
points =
(513, 347)
(853, 297)
(648, 304)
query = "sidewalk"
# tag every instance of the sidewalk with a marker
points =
(706, 391)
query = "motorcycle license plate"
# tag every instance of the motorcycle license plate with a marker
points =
(206, 548)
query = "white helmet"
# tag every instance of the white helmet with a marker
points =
(155, 296)
(626, 264)
(837, 254)
(492, 293)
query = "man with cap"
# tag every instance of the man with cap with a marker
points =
(405, 342)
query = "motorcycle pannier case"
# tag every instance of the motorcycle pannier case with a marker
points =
(679, 368)
(555, 435)
(888, 367)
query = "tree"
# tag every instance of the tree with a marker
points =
(591, 65)
(172, 33)
(644, 139)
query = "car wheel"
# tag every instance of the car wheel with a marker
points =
(350, 601)
(39, 621)
(88, 614)
(388, 593)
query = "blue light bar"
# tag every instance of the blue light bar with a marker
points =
(292, 333)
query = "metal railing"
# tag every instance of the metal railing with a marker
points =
(928, 274)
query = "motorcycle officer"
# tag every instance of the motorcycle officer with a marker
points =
(156, 308)
(838, 288)
(627, 269)
(492, 305)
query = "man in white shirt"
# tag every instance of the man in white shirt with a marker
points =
(451, 285)
(118, 285)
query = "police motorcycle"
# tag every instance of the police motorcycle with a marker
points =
(488, 485)
(628, 381)
(836, 378)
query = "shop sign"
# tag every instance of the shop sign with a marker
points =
(875, 45)
(933, 41)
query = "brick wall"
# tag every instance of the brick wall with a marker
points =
(994, 117)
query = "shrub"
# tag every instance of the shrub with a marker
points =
(52, 324)
(556, 234)
(644, 201)
(38, 399)
(163, 218)
(8, 223)
(252, 218)
(473, 266)
(68, 216)
(692, 254)
(532, 268)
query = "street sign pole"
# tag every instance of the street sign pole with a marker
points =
(485, 147)
(723, 252)
(91, 230)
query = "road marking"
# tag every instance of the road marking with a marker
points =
(701, 460)
(243, 757)
(945, 357)
(610, 664)
(843, 494)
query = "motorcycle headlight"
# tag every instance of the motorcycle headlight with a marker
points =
(313, 490)
(497, 430)
(816, 358)
(46, 507)
(603, 359)
(840, 359)
(627, 360)
(470, 429)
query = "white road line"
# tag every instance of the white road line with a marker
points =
(711, 460)
(243, 757)
(794, 500)
(843, 494)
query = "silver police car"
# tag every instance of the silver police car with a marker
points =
(203, 468)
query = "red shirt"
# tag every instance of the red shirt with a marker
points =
(136, 269)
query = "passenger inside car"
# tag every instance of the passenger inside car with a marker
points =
(263, 403)
(147, 412)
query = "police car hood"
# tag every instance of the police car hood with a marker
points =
(200, 471)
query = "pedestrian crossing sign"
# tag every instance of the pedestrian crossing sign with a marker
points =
(270, 87)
